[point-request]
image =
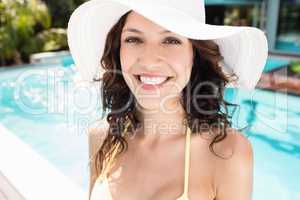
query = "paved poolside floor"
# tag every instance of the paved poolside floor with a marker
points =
(7, 191)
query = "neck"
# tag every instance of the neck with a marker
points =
(161, 123)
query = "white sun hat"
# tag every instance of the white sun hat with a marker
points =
(243, 48)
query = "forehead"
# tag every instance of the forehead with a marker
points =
(138, 22)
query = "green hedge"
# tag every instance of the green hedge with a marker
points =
(61, 10)
(295, 67)
(26, 29)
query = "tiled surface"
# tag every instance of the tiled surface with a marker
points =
(34, 170)
(7, 191)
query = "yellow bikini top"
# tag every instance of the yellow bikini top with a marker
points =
(101, 189)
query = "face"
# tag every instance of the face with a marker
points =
(156, 63)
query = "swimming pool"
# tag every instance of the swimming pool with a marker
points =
(273, 120)
(42, 106)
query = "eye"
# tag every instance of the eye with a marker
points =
(171, 40)
(132, 40)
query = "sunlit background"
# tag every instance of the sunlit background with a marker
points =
(45, 112)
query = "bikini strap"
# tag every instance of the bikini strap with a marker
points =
(187, 162)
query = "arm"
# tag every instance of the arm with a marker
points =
(96, 136)
(235, 176)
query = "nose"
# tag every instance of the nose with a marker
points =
(150, 57)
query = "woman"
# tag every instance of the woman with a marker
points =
(167, 135)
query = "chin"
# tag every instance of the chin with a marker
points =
(149, 103)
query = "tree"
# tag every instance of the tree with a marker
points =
(61, 11)
(20, 20)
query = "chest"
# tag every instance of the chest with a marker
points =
(160, 176)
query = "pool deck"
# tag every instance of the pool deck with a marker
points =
(278, 82)
(24, 174)
(7, 190)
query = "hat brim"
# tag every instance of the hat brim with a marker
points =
(244, 49)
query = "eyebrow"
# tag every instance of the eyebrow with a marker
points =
(133, 30)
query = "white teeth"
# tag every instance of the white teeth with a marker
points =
(153, 80)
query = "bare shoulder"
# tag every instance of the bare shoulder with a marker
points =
(96, 135)
(234, 146)
(235, 171)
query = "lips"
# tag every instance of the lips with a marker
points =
(149, 82)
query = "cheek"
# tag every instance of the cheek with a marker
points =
(182, 64)
(127, 59)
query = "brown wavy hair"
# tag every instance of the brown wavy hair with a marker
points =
(119, 102)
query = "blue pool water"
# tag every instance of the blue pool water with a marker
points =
(42, 106)
(274, 123)
(289, 47)
(275, 64)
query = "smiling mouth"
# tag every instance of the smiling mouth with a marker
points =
(138, 78)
